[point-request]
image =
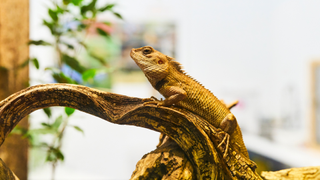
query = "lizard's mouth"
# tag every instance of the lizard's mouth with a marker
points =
(133, 53)
(132, 50)
(139, 59)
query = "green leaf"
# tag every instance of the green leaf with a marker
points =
(82, 26)
(66, 2)
(102, 32)
(50, 25)
(35, 62)
(107, 7)
(118, 15)
(19, 130)
(90, 7)
(39, 42)
(62, 78)
(41, 131)
(60, 10)
(44, 144)
(76, 2)
(54, 154)
(78, 129)
(107, 23)
(56, 124)
(53, 15)
(96, 57)
(59, 155)
(83, 44)
(40, 145)
(89, 74)
(47, 111)
(73, 63)
(50, 157)
(69, 111)
(24, 64)
(46, 125)
(68, 45)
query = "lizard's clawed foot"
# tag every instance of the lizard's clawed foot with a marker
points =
(158, 103)
(226, 142)
(154, 100)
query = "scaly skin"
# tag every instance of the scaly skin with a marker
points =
(179, 89)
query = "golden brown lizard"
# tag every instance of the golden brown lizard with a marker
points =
(179, 89)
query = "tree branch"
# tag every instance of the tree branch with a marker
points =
(6, 173)
(205, 146)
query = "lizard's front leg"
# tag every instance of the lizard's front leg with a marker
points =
(228, 125)
(173, 95)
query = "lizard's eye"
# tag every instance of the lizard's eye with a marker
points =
(146, 51)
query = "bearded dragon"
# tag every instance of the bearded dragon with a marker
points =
(179, 89)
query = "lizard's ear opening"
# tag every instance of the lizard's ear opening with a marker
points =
(160, 62)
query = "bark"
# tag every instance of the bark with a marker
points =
(6, 173)
(205, 146)
(166, 162)
(14, 35)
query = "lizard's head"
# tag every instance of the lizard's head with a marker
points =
(153, 63)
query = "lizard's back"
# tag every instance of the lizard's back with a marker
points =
(201, 101)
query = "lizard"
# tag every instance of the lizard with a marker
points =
(167, 76)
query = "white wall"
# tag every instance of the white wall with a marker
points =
(255, 51)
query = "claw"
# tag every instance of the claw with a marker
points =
(154, 98)
(157, 103)
(151, 102)
(225, 140)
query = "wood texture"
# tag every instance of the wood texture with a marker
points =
(6, 173)
(168, 161)
(205, 146)
(14, 35)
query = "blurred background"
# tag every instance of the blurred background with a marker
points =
(266, 54)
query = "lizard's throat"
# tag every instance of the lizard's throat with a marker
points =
(154, 76)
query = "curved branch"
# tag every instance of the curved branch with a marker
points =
(205, 146)
(105, 105)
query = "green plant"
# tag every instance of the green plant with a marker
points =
(69, 23)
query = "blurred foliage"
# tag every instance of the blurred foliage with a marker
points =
(69, 22)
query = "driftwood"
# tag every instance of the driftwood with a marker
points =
(196, 152)
(168, 161)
